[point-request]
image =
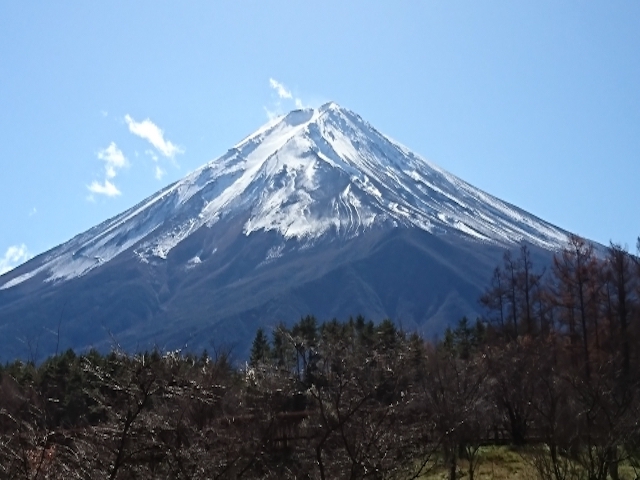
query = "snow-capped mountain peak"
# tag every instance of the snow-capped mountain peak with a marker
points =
(305, 175)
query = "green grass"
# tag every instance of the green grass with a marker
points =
(503, 463)
(495, 463)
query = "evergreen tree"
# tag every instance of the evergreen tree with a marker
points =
(260, 350)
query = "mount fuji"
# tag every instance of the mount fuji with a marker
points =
(314, 213)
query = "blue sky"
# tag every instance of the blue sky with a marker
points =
(102, 104)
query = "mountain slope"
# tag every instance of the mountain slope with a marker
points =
(316, 212)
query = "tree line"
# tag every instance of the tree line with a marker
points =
(553, 367)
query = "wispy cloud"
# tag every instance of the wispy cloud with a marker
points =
(107, 188)
(154, 135)
(33, 211)
(284, 94)
(14, 256)
(159, 172)
(271, 114)
(281, 90)
(151, 154)
(114, 159)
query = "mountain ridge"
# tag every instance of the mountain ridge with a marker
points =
(272, 177)
(316, 212)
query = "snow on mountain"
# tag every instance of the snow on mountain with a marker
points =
(305, 175)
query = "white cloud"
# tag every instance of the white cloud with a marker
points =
(271, 114)
(152, 154)
(282, 91)
(283, 94)
(33, 211)
(154, 135)
(14, 256)
(159, 173)
(114, 159)
(108, 189)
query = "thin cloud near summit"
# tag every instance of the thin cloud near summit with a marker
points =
(107, 188)
(283, 93)
(115, 159)
(14, 256)
(149, 131)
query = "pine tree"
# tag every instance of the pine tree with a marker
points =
(260, 350)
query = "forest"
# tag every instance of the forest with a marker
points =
(552, 369)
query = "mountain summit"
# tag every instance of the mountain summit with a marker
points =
(305, 175)
(308, 214)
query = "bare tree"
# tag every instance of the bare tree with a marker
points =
(454, 391)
